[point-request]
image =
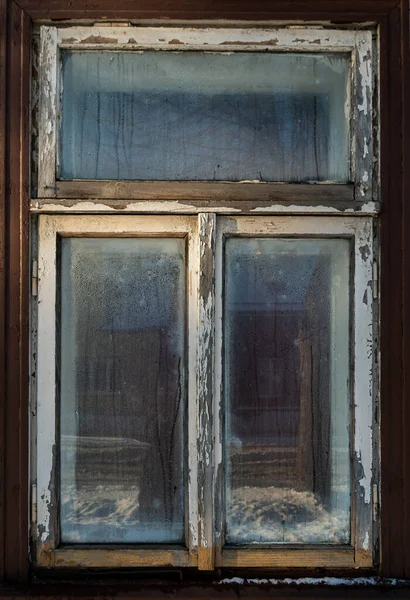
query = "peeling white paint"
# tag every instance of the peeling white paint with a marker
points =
(363, 352)
(176, 38)
(50, 226)
(365, 72)
(48, 88)
(314, 581)
(360, 230)
(174, 207)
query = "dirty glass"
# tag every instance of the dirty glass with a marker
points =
(205, 116)
(287, 390)
(122, 390)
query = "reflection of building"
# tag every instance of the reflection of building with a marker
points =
(281, 345)
(127, 404)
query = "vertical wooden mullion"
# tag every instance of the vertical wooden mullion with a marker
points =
(205, 379)
(17, 310)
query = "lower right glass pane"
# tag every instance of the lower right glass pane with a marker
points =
(287, 390)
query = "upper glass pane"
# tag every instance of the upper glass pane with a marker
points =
(122, 391)
(205, 116)
(287, 390)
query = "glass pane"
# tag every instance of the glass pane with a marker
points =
(287, 390)
(122, 390)
(204, 116)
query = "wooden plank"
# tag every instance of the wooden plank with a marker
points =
(47, 136)
(17, 332)
(345, 10)
(205, 389)
(3, 130)
(393, 543)
(115, 558)
(363, 427)
(288, 557)
(215, 192)
(198, 206)
(405, 102)
(362, 123)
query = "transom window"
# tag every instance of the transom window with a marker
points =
(206, 378)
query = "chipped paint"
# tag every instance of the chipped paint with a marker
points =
(195, 37)
(47, 112)
(361, 123)
(360, 230)
(205, 376)
(50, 226)
(195, 207)
(99, 39)
(317, 581)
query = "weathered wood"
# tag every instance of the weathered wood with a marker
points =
(198, 206)
(395, 394)
(213, 192)
(395, 557)
(3, 131)
(47, 135)
(205, 383)
(343, 10)
(405, 101)
(50, 228)
(115, 558)
(363, 391)
(289, 557)
(362, 125)
(17, 329)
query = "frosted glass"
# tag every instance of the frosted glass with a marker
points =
(205, 116)
(287, 390)
(122, 390)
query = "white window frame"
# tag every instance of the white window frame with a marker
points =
(360, 230)
(204, 517)
(136, 208)
(359, 109)
(51, 227)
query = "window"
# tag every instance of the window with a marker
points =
(206, 373)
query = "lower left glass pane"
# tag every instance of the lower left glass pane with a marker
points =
(122, 390)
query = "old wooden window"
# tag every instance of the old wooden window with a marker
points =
(206, 374)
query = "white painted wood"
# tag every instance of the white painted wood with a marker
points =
(174, 207)
(363, 384)
(205, 377)
(360, 230)
(177, 38)
(50, 227)
(48, 92)
(320, 40)
(362, 115)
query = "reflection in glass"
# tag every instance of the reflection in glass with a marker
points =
(122, 390)
(286, 313)
(205, 116)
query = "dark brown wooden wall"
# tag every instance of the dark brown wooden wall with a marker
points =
(15, 23)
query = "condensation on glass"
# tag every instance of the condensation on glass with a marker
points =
(122, 390)
(287, 390)
(205, 116)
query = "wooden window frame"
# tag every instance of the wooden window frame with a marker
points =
(362, 194)
(364, 393)
(392, 20)
(204, 517)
